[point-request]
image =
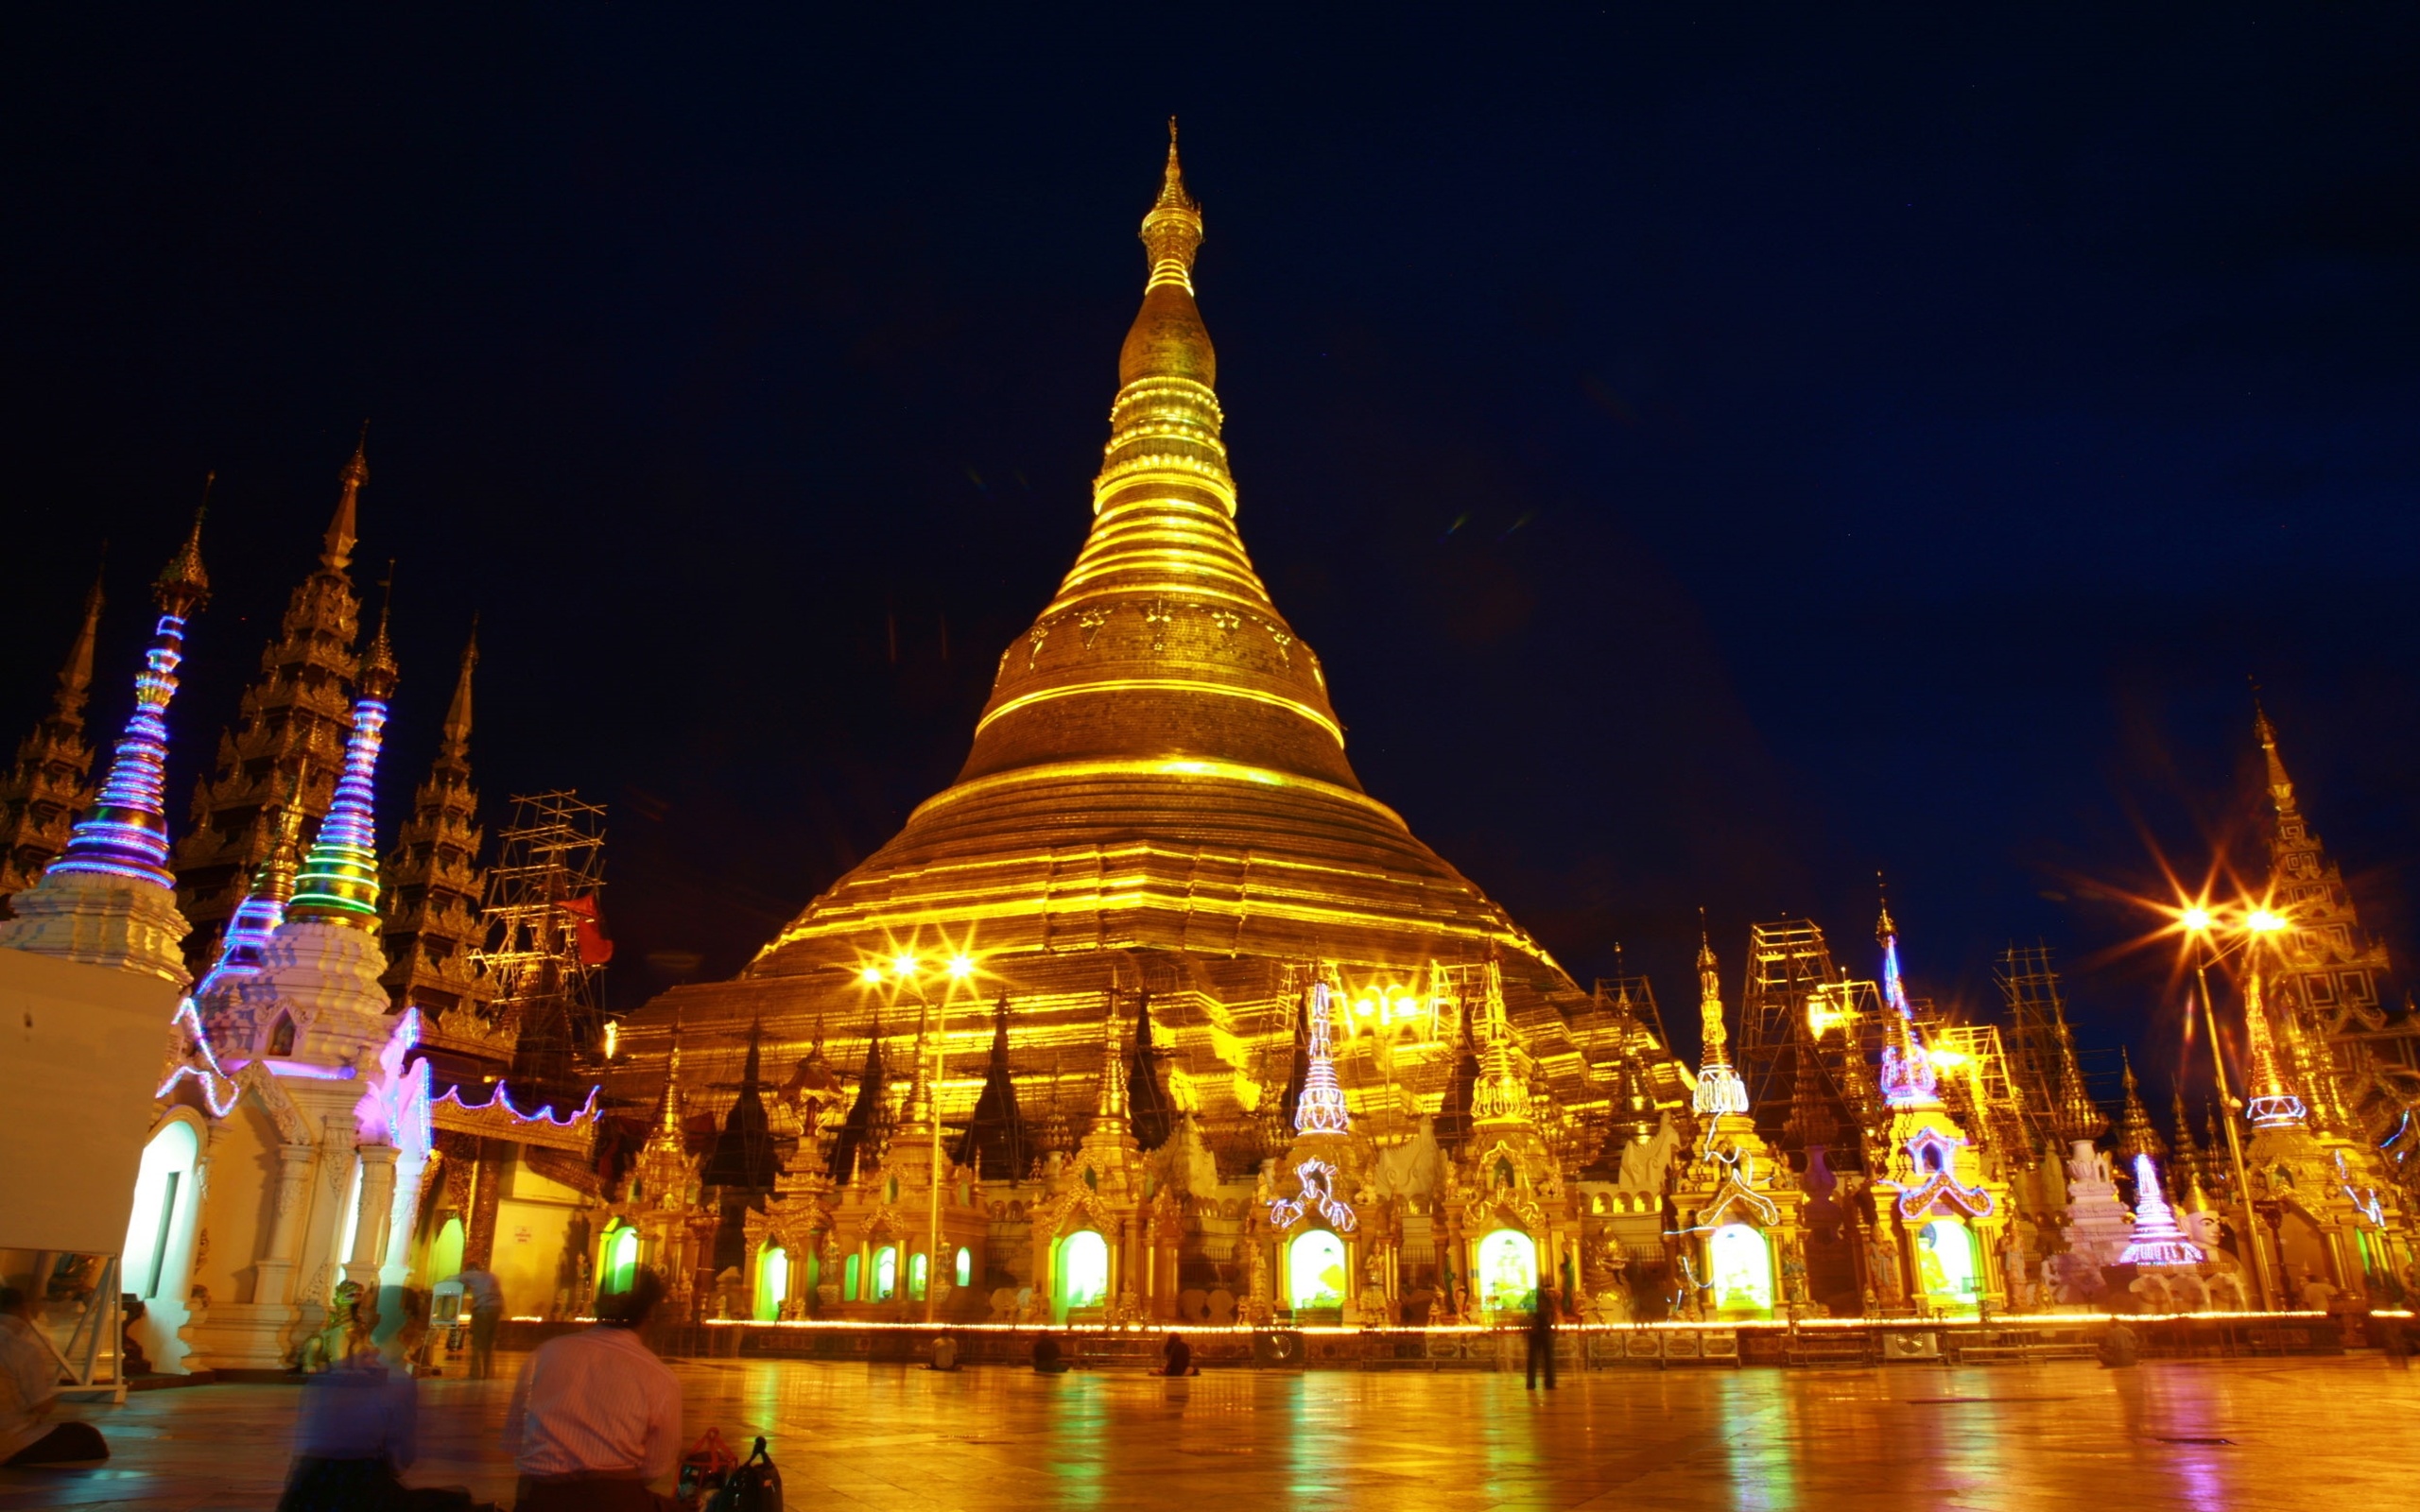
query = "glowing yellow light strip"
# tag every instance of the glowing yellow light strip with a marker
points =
(1161, 470)
(1161, 767)
(1258, 604)
(1275, 700)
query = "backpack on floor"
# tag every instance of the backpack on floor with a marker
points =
(706, 1468)
(754, 1486)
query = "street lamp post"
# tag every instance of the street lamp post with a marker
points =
(2233, 1108)
(2197, 923)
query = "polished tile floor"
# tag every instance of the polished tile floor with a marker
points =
(2240, 1435)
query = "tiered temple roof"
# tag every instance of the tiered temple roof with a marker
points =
(433, 883)
(290, 736)
(50, 784)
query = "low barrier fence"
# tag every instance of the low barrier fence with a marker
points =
(1661, 1346)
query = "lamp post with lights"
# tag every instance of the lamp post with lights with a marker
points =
(2200, 926)
(905, 976)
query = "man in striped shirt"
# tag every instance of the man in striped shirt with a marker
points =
(595, 1416)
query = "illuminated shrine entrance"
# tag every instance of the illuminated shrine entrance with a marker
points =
(772, 1282)
(1315, 1271)
(1743, 1269)
(1946, 1263)
(1508, 1271)
(621, 1262)
(445, 1253)
(1083, 1272)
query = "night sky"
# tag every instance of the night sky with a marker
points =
(1718, 455)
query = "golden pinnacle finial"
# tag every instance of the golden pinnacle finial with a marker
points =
(1173, 230)
(335, 553)
(182, 587)
(378, 660)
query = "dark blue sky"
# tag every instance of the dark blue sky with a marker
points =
(1719, 452)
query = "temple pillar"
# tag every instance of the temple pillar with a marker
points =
(273, 1283)
(370, 1222)
(487, 1190)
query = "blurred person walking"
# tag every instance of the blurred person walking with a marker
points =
(29, 1389)
(1542, 1336)
(361, 1431)
(485, 1297)
(596, 1416)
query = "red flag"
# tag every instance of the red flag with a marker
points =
(595, 946)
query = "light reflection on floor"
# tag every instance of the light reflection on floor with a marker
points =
(2298, 1433)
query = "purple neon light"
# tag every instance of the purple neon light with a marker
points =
(126, 832)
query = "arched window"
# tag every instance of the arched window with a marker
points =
(1507, 1270)
(850, 1277)
(965, 1273)
(1315, 1270)
(772, 1282)
(280, 1036)
(1083, 1271)
(919, 1267)
(885, 1273)
(621, 1260)
(1743, 1269)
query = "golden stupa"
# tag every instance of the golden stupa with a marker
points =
(1158, 800)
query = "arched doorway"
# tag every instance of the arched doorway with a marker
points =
(772, 1282)
(1082, 1272)
(1743, 1269)
(157, 1261)
(1946, 1263)
(1315, 1270)
(621, 1262)
(1508, 1271)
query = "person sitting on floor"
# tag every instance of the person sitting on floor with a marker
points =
(29, 1389)
(945, 1354)
(595, 1416)
(1047, 1358)
(1177, 1357)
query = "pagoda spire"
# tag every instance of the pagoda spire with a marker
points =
(107, 899)
(1147, 1099)
(2136, 1134)
(2157, 1239)
(240, 950)
(743, 1159)
(1321, 1108)
(340, 880)
(2272, 1105)
(1908, 1079)
(1719, 1089)
(433, 885)
(41, 796)
(1501, 1097)
(2281, 787)
(1162, 639)
(995, 1144)
(1110, 1109)
(2189, 1154)
(336, 547)
(862, 1130)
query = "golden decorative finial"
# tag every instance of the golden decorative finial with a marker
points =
(182, 587)
(336, 555)
(1172, 232)
(378, 660)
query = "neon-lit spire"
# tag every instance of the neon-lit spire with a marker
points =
(2272, 1105)
(2158, 1240)
(125, 835)
(1719, 1089)
(1908, 1078)
(1321, 1108)
(339, 881)
(264, 906)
